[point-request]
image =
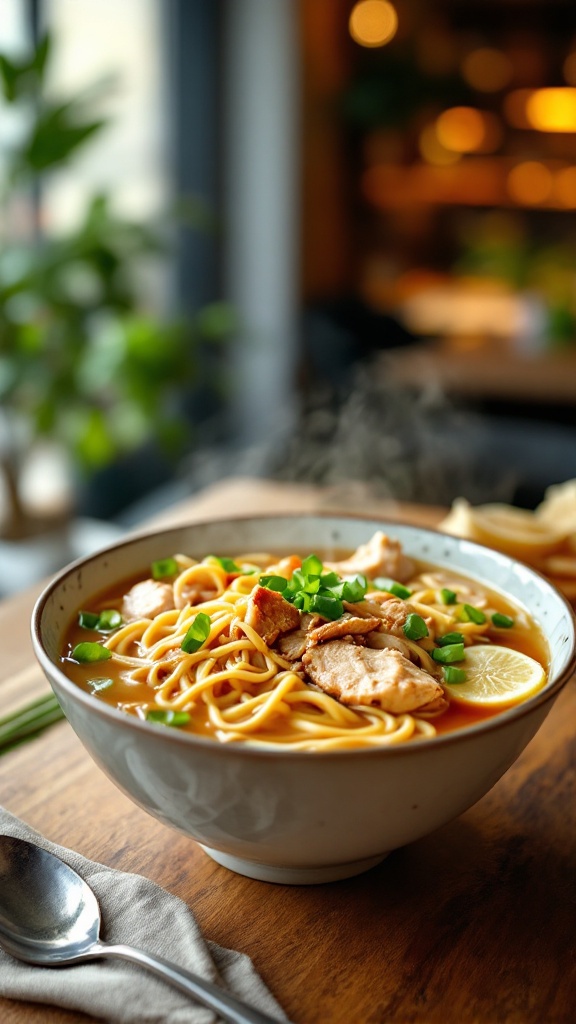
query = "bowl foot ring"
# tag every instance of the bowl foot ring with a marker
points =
(293, 876)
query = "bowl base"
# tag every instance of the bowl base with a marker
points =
(293, 876)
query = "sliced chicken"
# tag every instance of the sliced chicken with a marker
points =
(292, 645)
(270, 615)
(147, 599)
(380, 556)
(360, 675)
(394, 613)
(346, 625)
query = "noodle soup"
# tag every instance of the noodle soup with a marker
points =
(306, 653)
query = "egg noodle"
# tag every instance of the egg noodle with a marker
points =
(236, 688)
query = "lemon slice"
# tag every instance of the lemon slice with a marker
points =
(497, 677)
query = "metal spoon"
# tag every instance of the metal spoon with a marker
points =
(50, 916)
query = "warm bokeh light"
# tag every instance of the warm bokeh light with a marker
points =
(565, 187)
(514, 108)
(467, 130)
(487, 69)
(552, 110)
(477, 181)
(432, 150)
(373, 22)
(530, 183)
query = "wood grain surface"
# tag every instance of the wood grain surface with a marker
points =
(474, 924)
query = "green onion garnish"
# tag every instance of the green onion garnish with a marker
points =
(454, 675)
(164, 568)
(327, 605)
(448, 596)
(102, 683)
(446, 655)
(104, 621)
(278, 583)
(228, 564)
(502, 621)
(392, 587)
(310, 589)
(449, 638)
(28, 721)
(312, 566)
(87, 652)
(174, 718)
(471, 614)
(198, 632)
(88, 620)
(415, 628)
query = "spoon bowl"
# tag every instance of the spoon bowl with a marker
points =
(49, 916)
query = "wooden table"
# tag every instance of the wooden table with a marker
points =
(474, 924)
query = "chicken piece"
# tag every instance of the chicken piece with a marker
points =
(380, 556)
(269, 614)
(147, 599)
(346, 625)
(394, 613)
(292, 645)
(363, 676)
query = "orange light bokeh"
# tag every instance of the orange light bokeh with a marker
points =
(373, 22)
(565, 187)
(552, 110)
(467, 130)
(530, 183)
(487, 69)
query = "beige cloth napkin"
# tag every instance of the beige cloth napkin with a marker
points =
(139, 913)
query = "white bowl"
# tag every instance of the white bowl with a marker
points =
(285, 816)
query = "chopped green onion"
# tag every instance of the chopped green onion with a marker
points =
(502, 621)
(88, 620)
(278, 583)
(446, 655)
(311, 589)
(327, 605)
(164, 568)
(312, 566)
(88, 652)
(471, 614)
(454, 675)
(110, 619)
(29, 721)
(355, 588)
(102, 683)
(449, 638)
(392, 587)
(198, 632)
(104, 621)
(448, 596)
(174, 718)
(415, 628)
(228, 564)
(330, 579)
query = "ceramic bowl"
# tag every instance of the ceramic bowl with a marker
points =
(299, 817)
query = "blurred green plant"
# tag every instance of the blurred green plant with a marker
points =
(83, 362)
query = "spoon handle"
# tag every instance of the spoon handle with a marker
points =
(230, 1008)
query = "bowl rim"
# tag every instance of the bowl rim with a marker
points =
(190, 741)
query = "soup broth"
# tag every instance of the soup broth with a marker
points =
(301, 652)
